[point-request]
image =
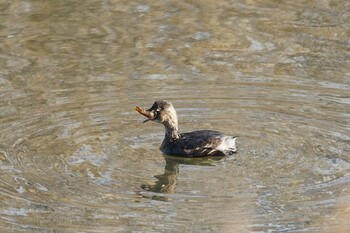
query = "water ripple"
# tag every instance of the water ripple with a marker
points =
(74, 156)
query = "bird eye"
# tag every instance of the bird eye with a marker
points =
(155, 114)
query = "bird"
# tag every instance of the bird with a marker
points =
(198, 143)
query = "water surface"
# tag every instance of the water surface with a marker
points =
(75, 157)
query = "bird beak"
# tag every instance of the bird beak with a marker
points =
(145, 113)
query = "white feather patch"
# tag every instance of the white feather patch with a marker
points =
(227, 144)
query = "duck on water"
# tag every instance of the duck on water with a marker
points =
(193, 144)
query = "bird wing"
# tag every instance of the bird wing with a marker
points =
(199, 143)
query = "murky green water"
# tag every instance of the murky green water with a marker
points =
(75, 157)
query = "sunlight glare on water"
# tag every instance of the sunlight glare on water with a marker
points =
(75, 157)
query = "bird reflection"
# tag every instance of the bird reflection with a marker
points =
(166, 182)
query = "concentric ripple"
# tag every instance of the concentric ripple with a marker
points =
(75, 157)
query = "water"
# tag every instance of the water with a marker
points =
(75, 157)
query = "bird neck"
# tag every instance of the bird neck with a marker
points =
(171, 130)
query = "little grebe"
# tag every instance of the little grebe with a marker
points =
(193, 144)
